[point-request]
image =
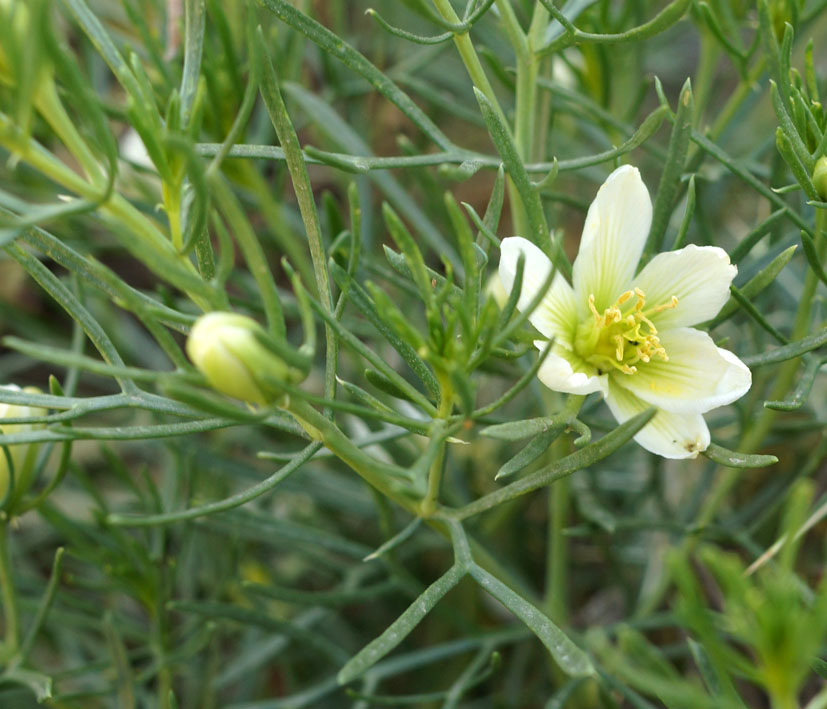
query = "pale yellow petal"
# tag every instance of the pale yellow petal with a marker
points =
(697, 377)
(556, 315)
(614, 234)
(699, 276)
(562, 370)
(668, 434)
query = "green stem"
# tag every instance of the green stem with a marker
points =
(702, 85)
(744, 90)
(274, 213)
(116, 209)
(380, 475)
(559, 495)
(297, 167)
(10, 613)
(528, 64)
(475, 70)
(525, 99)
(251, 249)
(51, 108)
(523, 133)
(469, 56)
(446, 405)
(429, 502)
(172, 204)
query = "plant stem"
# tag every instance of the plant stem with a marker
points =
(251, 249)
(559, 495)
(702, 84)
(446, 405)
(469, 56)
(525, 100)
(525, 106)
(380, 475)
(10, 613)
(280, 118)
(116, 209)
(51, 108)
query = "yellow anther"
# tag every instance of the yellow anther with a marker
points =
(652, 329)
(673, 303)
(593, 308)
(618, 340)
(619, 349)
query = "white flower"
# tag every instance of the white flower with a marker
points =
(22, 455)
(630, 336)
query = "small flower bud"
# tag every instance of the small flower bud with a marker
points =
(22, 455)
(820, 178)
(230, 351)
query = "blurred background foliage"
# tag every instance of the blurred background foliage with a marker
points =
(174, 549)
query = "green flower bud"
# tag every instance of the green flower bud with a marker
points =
(232, 352)
(22, 455)
(820, 178)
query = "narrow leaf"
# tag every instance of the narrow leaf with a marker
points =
(401, 627)
(571, 659)
(794, 349)
(561, 468)
(535, 448)
(733, 459)
(673, 169)
(802, 390)
(754, 286)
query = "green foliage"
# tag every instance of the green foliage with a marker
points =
(418, 521)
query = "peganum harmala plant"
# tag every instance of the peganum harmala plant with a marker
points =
(274, 424)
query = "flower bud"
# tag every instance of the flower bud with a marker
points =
(23, 455)
(230, 350)
(820, 178)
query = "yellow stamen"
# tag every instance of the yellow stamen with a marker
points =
(619, 350)
(673, 303)
(593, 308)
(619, 338)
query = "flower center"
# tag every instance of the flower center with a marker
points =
(622, 336)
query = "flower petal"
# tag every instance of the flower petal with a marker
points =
(697, 377)
(556, 315)
(564, 371)
(667, 434)
(613, 238)
(698, 275)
